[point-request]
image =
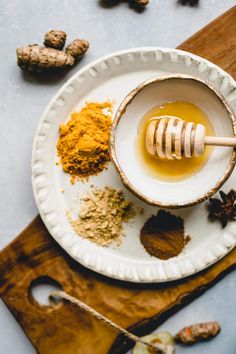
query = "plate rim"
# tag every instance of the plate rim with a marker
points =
(134, 275)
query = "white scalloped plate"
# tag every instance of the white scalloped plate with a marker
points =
(113, 77)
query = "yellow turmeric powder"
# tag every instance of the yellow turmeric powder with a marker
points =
(83, 141)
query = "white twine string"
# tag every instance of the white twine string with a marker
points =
(166, 349)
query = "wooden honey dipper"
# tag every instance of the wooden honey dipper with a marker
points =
(169, 138)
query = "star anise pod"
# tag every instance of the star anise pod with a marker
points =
(188, 2)
(225, 209)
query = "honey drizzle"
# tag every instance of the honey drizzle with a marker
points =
(175, 170)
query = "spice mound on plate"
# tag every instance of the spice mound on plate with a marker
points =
(163, 236)
(83, 141)
(101, 216)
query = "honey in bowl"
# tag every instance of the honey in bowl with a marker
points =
(174, 170)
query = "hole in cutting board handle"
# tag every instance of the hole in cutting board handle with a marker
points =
(40, 289)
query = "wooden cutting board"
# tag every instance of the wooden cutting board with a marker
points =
(65, 329)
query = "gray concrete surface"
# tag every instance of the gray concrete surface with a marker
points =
(23, 98)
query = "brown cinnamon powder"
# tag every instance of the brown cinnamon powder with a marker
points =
(163, 235)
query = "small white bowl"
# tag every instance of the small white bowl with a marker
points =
(154, 92)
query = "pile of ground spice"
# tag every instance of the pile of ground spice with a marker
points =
(83, 141)
(163, 236)
(101, 216)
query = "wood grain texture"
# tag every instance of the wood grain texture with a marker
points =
(216, 42)
(65, 329)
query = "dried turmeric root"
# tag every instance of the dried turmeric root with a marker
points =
(197, 332)
(141, 3)
(188, 2)
(55, 39)
(36, 58)
(138, 4)
(77, 48)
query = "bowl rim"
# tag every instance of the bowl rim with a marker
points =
(121, 110)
